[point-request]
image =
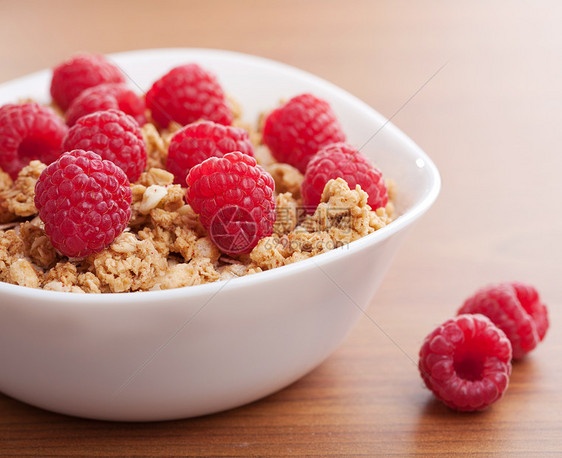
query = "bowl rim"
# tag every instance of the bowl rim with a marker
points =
(404, 220)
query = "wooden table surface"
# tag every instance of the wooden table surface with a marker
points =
(490, 119)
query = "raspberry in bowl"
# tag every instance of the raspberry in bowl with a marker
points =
(195, 350)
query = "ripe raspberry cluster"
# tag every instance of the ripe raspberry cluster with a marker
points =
(233, 195)
(466, 362)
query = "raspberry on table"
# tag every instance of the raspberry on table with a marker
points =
(514, 307)
(198, 141)
(466, 362)
(186, 94)
(80, 72)
(113, 135)
(234, 199)
(296, 131)
(29, 131)
(104, 97)
(340, 160)
(84, 202)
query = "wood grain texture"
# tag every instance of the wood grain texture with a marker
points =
(490, 120)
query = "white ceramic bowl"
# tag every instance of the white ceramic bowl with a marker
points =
(202, 349)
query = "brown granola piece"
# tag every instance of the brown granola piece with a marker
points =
(169, 132)
(171, 232)
(66, 277)
(380, 218)
(205, 248)
(161, 238)
(157, 176)
(195, 272)
(269, 253)
(263, 156)
(89, 283)
(137, 218)
(232, 270)
(11, 249)
(37, 245)
(22, 272)
(191, 220)
(154, 190)
(390, 189)
(286, 213)
(287, 178)
(175, 239)
(59, 286)
(128, 264)
(156, 149)
(17, 201)
(63, 272)
(275, 251)
(5, 181)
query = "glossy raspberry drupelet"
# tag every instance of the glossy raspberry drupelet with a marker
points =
(340, 160)
(234, 199)
(80, 72)
(113, 135)
(84, 201)
(466, 362)
(296, 131)
(29, 131)
(187, 94)
(514, 307)
(104, 97)
(198, 141)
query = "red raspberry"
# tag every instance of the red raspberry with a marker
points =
(340, 160)
(104, 97)
(516, 309)
(113, 135)
(234, 199)
(84, 201)
(80, 72)
(29, 131)
(187, 94)
(201, 140)
(298, 129)
(466, 362)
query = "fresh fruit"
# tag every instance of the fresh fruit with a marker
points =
(113, 135)
(80, 72)
(514, 307)
(466, 362)
(29, 131)
(104, 97)
(198, 141)
(84, 202)
(234, 199)
(296, 131)
(187, 94)
(340, 160)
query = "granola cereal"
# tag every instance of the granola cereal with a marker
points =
(342, 216)
(36, 245)
(11, 250)
(166, 246)
(17, 200)
(129, 264)
(287, 178)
